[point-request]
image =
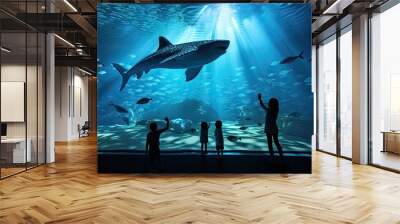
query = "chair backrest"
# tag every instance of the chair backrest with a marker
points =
(86, 125)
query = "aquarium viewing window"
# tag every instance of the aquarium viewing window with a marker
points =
(204, 87)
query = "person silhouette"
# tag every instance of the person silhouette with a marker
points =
(153, 141)
(204, 136)
(271, 129)
(219, 138)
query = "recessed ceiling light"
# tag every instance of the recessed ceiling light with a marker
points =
(84, 71)
(64, 40)
(337, 7)
(70, 5)
(5, 50)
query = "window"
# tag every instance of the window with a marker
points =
(327, 95)
(346, 92)
(385, 89)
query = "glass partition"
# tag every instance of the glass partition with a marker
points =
(13, 105)
(22, 88)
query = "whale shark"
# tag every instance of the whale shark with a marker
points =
(191, 56)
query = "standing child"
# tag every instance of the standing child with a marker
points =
(219, 138)
(153, 142)
(271, 128)
(204, 136)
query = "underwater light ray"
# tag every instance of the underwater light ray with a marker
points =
(263, 36)
(204, 26)
(285, 42)
(294, 15)
(202, 10)
(236, 58)
(229, 29)
(242, 45)
(249, 34)
(203, 23)
(277, 41)
(222, 30)
(295, 44)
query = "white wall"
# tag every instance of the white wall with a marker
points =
(16, 73)
(33, 127)
(61, 103)
(71, 102)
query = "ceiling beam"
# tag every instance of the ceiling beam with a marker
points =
(337, 6)
(84, 24)
(81, 61)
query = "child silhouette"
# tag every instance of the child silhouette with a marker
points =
(271, 129)
(204, 136)
(219, 138)
(153, 140)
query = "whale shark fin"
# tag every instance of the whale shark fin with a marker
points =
(301, 55)
(119, 68)
(139, 74)
(122, 72)
(163, 42)
(125, 79)
(191, 73)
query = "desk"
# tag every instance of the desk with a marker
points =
(16, 147)
(391, 141)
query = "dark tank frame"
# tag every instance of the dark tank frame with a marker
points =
(191, 161)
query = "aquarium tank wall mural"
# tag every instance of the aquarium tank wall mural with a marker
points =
(168, 72)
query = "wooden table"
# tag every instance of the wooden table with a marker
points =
(391, 141)
(14, 150)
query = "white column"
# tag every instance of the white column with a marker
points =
(360, 90)
(50, 92)
(314, 91)
(50, 99)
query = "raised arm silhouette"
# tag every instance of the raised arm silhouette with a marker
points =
(271, 128)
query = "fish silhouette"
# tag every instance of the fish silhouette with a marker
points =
(233, 138)
(119, 109)
(143, 100)
(291, 59)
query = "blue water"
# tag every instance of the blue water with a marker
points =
(260, 35)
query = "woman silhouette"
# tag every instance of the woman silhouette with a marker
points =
(271, 129)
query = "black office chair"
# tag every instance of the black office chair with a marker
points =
(84, 130)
